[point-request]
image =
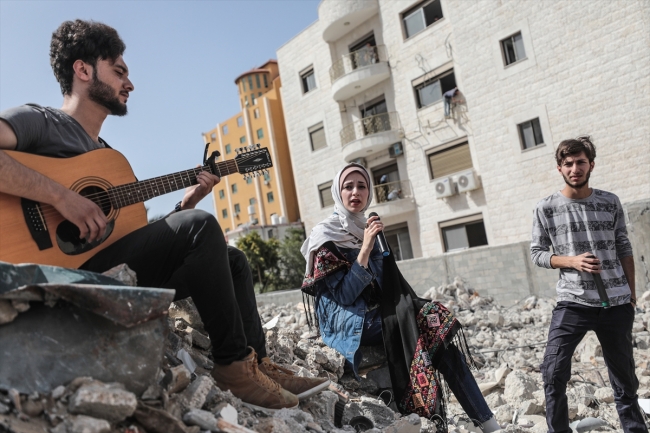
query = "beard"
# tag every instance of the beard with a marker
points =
(578, 185)
(104, 95)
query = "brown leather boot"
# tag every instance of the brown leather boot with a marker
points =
(253, 387)
(302, 387)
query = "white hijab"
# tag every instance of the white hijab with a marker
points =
(343, 227)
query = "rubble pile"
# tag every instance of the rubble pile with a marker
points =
(507, 344)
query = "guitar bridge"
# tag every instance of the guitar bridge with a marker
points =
(36, 223)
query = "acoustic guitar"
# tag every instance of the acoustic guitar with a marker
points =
(32, 232)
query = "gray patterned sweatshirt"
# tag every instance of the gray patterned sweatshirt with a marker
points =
(595, 224)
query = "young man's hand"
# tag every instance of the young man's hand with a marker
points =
(194, 194)
(83, 213)
(586, 262)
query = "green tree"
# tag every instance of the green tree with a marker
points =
(292, 262)
(263, 259)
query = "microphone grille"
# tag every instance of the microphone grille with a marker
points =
(371, 214)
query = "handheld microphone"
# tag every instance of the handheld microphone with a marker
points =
(383, 245)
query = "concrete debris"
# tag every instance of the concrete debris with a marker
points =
(508, 344)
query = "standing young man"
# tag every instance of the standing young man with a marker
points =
(586, 228)
(185, 251)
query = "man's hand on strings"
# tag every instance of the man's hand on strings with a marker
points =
(83, 213)
(196, 193)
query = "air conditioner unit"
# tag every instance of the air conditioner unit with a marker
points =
(360, 161)
(444, 187)
(395, 150)
(467, 181)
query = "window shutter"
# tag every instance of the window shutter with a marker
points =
(449, 161)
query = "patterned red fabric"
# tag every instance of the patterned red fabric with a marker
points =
(325, 263)
(437, 327)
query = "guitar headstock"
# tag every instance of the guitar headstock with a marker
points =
(252, 161)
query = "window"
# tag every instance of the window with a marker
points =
(252, 201)
(451, 160)
(324, 190)
(249, 180)
(530, 134)
(243, 85)
(257, 80)
(256, 113)
(266, 83)
(467, 234)
(240, 121)
(260, 133)
(222, 194)
(420, 17)
(513, 49)
(259, 93)
(242, 139)
(227, 148)
(250, 82)
(233, 188)
(227, 229)
(213, 136)
(317, 136)
(269, 197)
(399, 240)
(308, 80)
(267, 177)
(237, 209)
(224, 213)
(253, 101)
(225, 129)
(245, 102)
(429, 90)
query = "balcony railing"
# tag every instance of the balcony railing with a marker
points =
(370, 125)
(364, 57)
(392, 191)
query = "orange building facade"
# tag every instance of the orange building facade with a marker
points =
(264, 200)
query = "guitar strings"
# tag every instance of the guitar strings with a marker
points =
(119, 191)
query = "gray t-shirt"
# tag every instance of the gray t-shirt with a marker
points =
(48, 131)
(594, 224)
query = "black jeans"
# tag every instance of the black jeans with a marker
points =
(613, 327)
(188, 252)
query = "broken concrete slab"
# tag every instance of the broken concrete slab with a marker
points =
(105, 401)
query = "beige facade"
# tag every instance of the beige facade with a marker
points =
(529, 74)
(265, 200)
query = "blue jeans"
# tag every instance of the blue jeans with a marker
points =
(613, 327)
(452, 367)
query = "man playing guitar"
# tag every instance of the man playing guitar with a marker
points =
(185, 251)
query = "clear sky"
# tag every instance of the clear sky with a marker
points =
(183, 57)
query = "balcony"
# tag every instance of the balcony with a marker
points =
(370, 135)
(358, 71)
(393, 200)
(340, 17)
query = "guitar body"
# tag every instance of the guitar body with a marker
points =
(91, 173)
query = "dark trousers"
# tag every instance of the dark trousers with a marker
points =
(613, 327)
(188, 252)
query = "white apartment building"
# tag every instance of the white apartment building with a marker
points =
(366, 81)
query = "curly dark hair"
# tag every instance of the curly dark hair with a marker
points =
(82, 40)
(574, 146)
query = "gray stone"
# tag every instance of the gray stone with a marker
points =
(373, 409)
(589, 348)
(196, 393)
(408, 424)
(158, 421)
(4, 409)
(123, 274)
(106, 401)
(530, 407)
(605, 395)
(58, 392)
(495, 318)
(321, 406)
(503, 414)
(201, 418)
(519, 387)
(198, 339)
(86, 424)
(20, 305)
(368, 386)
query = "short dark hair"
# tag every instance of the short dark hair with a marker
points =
(82, 40)
(575, 146)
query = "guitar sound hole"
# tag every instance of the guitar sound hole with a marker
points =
(67, 234)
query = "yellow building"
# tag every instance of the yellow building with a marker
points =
(272, 197)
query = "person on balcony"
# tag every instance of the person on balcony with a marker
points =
(360, 298)
(448, 97)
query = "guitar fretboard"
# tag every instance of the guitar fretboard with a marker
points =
(136, 192)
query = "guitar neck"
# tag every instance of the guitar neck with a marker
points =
(136, 192)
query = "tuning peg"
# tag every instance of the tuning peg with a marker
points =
(258, 145)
